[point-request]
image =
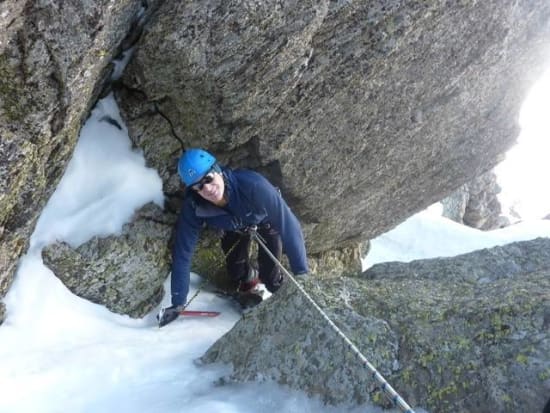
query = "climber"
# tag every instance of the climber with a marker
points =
(232, 200)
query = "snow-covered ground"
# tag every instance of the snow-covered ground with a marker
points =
(61, 353)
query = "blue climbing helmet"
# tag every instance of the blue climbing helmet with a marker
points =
(194, 164)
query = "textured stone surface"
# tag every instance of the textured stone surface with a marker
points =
(361, 112)
(54, 57)
(289, 342)
(476, 204)
(339, 261)
(468, 333)
(125, 273)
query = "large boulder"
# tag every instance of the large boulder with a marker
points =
(361, 112)
(468, 333)
(54, 58)
(124, 272)
(476, 204)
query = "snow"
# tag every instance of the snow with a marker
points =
(59, 352)
(429, 235)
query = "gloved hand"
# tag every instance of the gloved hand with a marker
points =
(168, 314)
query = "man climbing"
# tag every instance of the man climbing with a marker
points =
(233, 201)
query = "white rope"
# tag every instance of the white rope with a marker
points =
(396, 399)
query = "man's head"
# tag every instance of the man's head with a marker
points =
(198, 169)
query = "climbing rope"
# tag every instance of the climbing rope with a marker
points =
(395, 398)
(199, 289)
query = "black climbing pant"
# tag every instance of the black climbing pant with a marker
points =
(235, 246)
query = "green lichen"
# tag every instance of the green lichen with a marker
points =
(377, 398)
(507, 399)
(426, 359)
(521, 359)
(207, 261)
(12, 93)
(406, 375)
(544, 375)
(443, 393)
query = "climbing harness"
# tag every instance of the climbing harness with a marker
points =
(395, 398)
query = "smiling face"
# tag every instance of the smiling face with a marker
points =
(211, 187)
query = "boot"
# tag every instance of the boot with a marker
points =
(250, 283)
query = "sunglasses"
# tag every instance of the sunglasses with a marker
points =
(206, 179)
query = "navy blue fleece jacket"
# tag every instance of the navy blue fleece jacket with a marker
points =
(252, 200)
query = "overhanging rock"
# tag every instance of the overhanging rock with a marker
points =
(361, 112)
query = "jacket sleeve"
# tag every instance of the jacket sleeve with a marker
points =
(187, 234)
(285, 222)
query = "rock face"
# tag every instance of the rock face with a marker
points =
(54, 57)
(361, 112)
(125, 273)
(468, 333)
(476, 204)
